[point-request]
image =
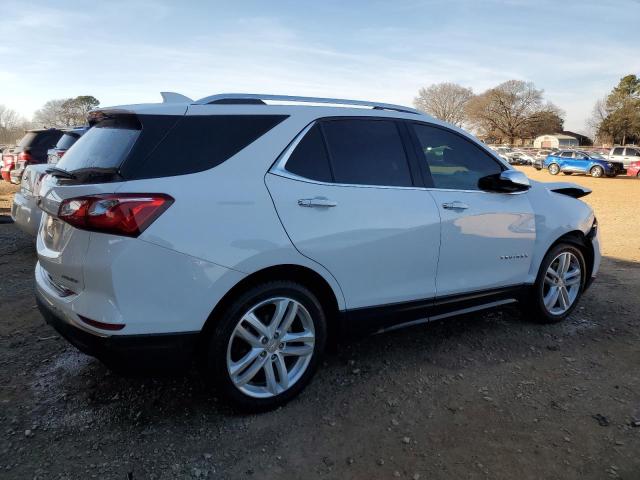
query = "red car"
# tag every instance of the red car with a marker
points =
(633, 170)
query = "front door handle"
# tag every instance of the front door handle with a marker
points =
(455, 205)
(316, 202)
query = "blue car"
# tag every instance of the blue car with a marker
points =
(588, 163)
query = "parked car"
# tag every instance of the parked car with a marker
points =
(539, 157)
(24, 210)
(634, 169)
(588, 163)
(31, 150)
(69, 137)
(625, 155)
(244, 234)
(518, 157)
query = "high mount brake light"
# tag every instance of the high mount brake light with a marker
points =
(127, 214)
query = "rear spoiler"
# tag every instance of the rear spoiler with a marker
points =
(566, 188)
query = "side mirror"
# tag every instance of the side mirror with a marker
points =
(509, 181)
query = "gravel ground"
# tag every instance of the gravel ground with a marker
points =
(483, 396)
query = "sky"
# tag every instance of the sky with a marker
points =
(127, 51)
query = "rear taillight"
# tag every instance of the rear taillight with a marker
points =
(126, 214)
(8, 161)
(25, 157)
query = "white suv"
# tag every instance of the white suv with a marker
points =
(245, 233)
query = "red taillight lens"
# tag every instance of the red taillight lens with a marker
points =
(8, 161)
(25, 157)
(126, 214)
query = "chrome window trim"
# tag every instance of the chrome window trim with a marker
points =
(279, 169)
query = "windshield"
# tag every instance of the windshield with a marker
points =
(105, 146)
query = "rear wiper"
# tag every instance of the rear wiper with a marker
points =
(58, 172)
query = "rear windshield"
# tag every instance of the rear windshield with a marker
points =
(105, 146)
(67, 140)
(151, 146)
(45, 139)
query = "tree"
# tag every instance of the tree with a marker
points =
(12, 125)
(445, 101)
(617, 119)
(66, 112)
(514, 109)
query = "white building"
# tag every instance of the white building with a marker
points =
(556, 140)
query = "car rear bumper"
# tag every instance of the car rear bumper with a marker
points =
(124, 352)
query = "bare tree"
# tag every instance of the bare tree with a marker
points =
(12, 125)
(445, 101)
(514, 109)
(66, 112)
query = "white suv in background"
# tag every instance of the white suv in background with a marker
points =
(245, 233)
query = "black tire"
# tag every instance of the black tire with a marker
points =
(596, 171)
(554, 169)
(533, 305)
(216, 355)
(567, 173)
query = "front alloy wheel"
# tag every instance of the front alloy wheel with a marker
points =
(562, 283)
(558, 286)
(554, 169)
(597, 171)
(266, 345)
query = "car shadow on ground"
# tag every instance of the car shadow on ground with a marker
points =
(74, 390)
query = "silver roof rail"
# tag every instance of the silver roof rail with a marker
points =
(254, 98)
(173, 97)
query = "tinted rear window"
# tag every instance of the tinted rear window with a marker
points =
(67, 140)
(40, 139)
(197, 143)
(309, 159)
(106, 145)
(367, 152)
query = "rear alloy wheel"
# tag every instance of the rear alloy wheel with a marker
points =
(596, 171)
(559, 285)
(266, 348)
(554, 169)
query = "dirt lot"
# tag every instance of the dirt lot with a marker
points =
(485, 396)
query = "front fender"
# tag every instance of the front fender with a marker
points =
(556, 214)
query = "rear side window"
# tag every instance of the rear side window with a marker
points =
(104, 146)
(632, 152)
(454, 162)
(310, 159)
(198, 143)
(367, 152)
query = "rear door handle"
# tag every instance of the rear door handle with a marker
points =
(316, 202)
(455, 205)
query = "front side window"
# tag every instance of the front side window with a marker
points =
(455, 162)
(618, 151)
(367, 152)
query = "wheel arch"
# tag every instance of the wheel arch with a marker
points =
(579, 240)
(306, 276)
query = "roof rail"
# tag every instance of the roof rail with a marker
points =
(255, 98)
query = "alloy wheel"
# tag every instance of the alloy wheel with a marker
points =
(554, 169)
(271, 347)
(562, 283)
(596, 172)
